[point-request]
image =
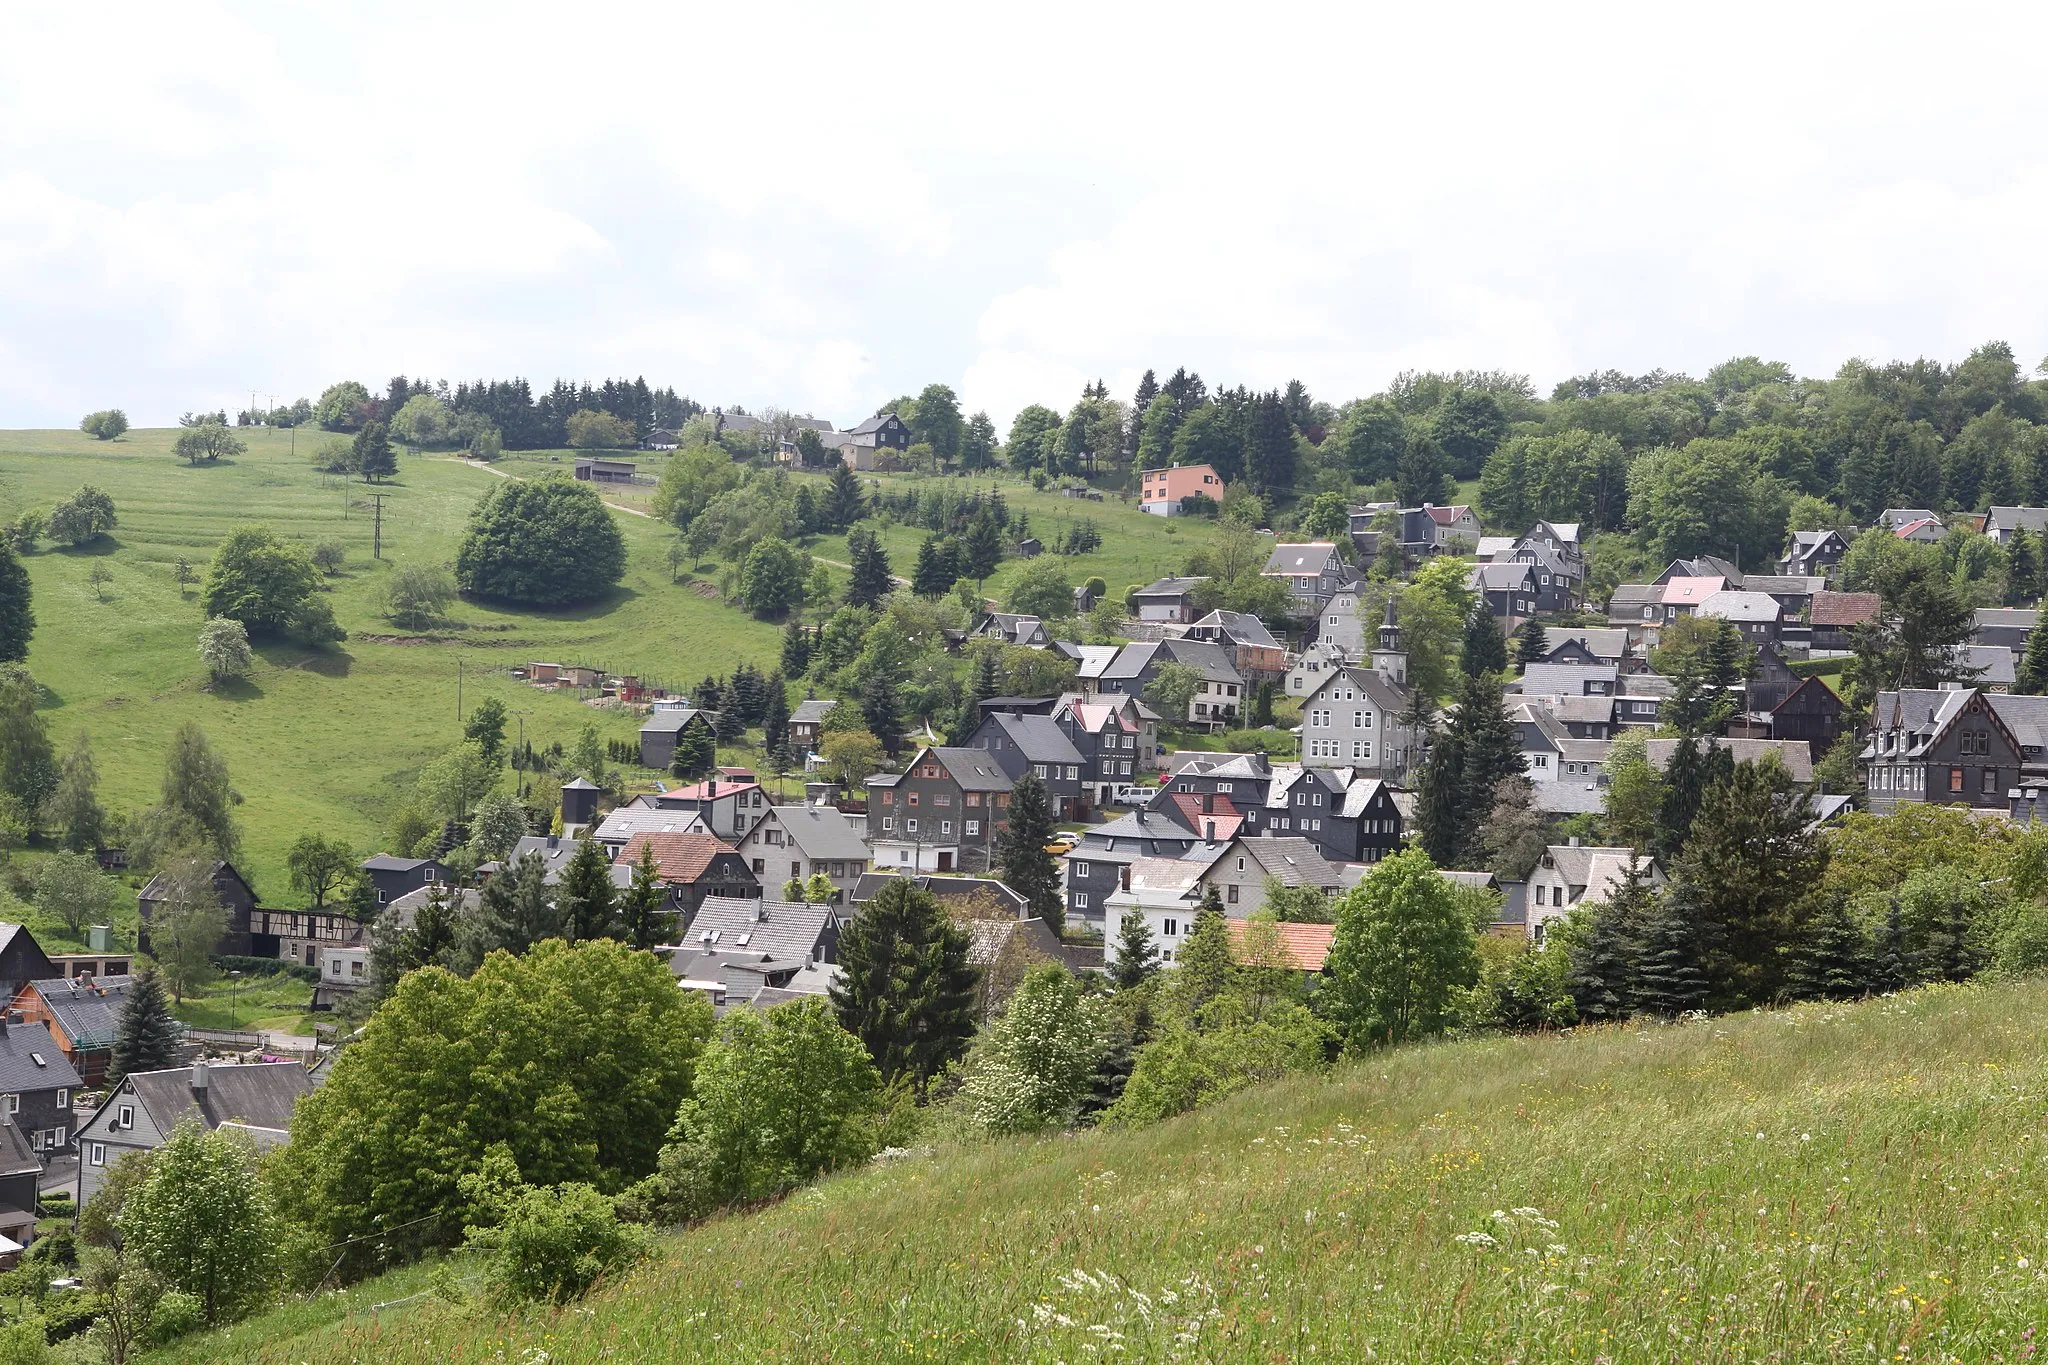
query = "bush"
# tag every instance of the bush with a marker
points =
(329, 556)
(1184, 1068)
(268, 966)
(177, 1315)
(417, 595)
(2021, 947)
(541, 543)
(107, 425)
(268, 586)
(24, 1341)
(549, 1243)
(83, 517)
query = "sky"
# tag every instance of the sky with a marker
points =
(822, 207)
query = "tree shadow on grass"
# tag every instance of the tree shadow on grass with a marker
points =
(97, 548)
(236, 689)
(595, 608)
(329, 661)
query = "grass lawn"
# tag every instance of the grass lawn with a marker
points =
(1826, 1183)
(259, 1003)
(326, 740)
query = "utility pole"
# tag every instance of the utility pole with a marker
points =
(377, 534)
(458, 689)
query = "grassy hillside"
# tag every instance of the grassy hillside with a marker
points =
(317, 740)
(1827, 1183)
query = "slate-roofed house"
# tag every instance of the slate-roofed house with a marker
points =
(1560, 570)
(1252, 649)
(788, 931)
(807, 722)
(1313, 572)
(554, 852)
(1308, 803)
(620, 825)
(952, 891)
(1637, 608)
(694, 867)
(1792, 592)
(942, 813)
(1240, 871)
(1115, 743)
(1834, 615)
(235, 894)
(802, 841)
(1012, 629)
(1430, 529)
(2001, 522)
(1570, 680)
(663, 728)
(868, 442)
(1340, 630)
(1754, 614)
(1572, 874)
(37, 1083)
(1353, 720)
(1215, 703)
(1166, 892)
(1508, 590)
(1168, 600)
(80, 1013)
(1095, 866)
(1794, 754)
(729, 800)
(393, 876)
(2008, 627)
(145, 1108)
(1587, 645)
(22, 960)
(1814, 553)
(1039, 746)
(1810, 712)
(1993, 668)
(1892, 518)
(1954, 746)
(21, 1171)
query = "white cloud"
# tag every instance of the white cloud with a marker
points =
(821, 206)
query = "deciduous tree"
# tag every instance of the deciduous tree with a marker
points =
(1401, 950)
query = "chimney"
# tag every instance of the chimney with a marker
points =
(199, 1078)
(711, 788)
(760, 910)
(1124, 876)
(1210, 826)
(1575, 841)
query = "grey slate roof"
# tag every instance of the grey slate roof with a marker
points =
(554, 853)
(1995, 664)
(20, 1046)
(1566, 680)
(974, 770)
(812, 710)
(87, 1011)
(1302, 561)
(16, 1156)
(945, 888)
(626, 821)
(821, 832)
(1171, 587)
(1209, 659)
(1295, 861)
(1602, 642)
(1238, 626)
(784, 930)
(1795, 754)
(1502, 577)
(260, 1094)
(385, 862)
(669, 720)
(1038, 738)
(1131, 661)
(1730, 604)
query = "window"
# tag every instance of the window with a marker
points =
(974, 798)
(1539, 893)
(1080, 871)
(974, 826)
(124, 1117)
(99, 1154)
(57, 1136)
(1358, 720)
(1240, 864)
(1081, 900)
(1361, 748)
(1038, 771)
(1232, 897)
(888, 822)
(796, 869)
(1539, 760)
(1990, 781)
(760, 865)
(913, 798)
(1955, 780)
(910, 825)
(945, 826)
(1171, 929)
(63, 1099)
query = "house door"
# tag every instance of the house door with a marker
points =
(945, 861)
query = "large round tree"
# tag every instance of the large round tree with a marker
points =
(542, 543)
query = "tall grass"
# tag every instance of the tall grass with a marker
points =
(1826, 1183)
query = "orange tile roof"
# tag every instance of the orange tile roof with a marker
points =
(678, 858)
(1306, 946)
(1223, 815)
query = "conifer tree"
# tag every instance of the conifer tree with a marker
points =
(1439, 813)
(905, 988)
(796, 650)
(845, 504)
(984, 682)
(1269, 446)
(869, 582)
(774, 713)
(1028, 869)
(585, 898)
(2033, 670)
(1888, 965)
(1485, 649)
(1204, 968)
(1749, 869)
(747, 694)
(1834, 961)
(982, 547)
(1490, 751)
(2023, 567)
(1604, 958)
(146, 1036)
(644, 914)
(517, 908)
(1532, 642)
(1669, 979)
(1137, 956)
(935, 570)
(373, 453)
(882, 709)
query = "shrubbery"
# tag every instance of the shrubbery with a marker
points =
(541, 543)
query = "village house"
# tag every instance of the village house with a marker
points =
(1834, 617)
(1572, 874)
(1430, 530)
(960, 895)
(21, 1172)
(1340, 628)
(1507, 590)
(798, 933)
(1353, 718)
(1037, 745)
(2005, 627)
(1814, 553)
(1313, 572)
(874, 442)
(1167, 600)
(22, 959)
(729, 801)
(1794, 755)
(620, 825)
(1811, 714)
(807, 723)
(2001, 522)
(235, 894)
(1305, 948)
(1252, 650)
(693, 867)
(1240, 872)
(1308, 803)
(1096, 865)
(1012, 629)
(1955, 746)
(1754, 614)
(147, 1106)
(1316, 659)
(1369, 805)
(664, 729)
(942, 813)
(1163, 492)
(394, 876)
(1166, 893)
(1218, 698)
(1587, 646)
(37, 1085)
(1118, 740)
(80, 1013)
(799, 842)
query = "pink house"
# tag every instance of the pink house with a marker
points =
(1162, 489)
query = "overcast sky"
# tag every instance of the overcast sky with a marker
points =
(822, 208)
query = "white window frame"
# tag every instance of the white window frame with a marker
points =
(97, 1154)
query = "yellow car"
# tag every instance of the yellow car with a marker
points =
(1062, 842)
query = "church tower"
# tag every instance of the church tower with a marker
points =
(1389, 660)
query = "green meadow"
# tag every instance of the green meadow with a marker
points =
(332, 739)
(1831, 1182)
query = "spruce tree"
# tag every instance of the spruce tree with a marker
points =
(747, 694)
(774, 713)
(934, 573)
(1269, 446)
(1137, 956)
(1603, 960)
(982, 547)
(1888, 955)
(146, 1036)
(2032, 678)
(585, 899)
(1028, 869)
(845, 504)
(644, 914)
(882, 709)
(1485, 649)
(905, 987)
(2023, 567)
(796, 650)
(1491, 751)
(1669, 979)
(1532, 642)
(517, 908)
(869, 582)
(1204, 969)
(1834, 961)
(1749, 869)
(984, 682)
(373, 452)
(1439, 812)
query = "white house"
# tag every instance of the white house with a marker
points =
(1573, 874)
